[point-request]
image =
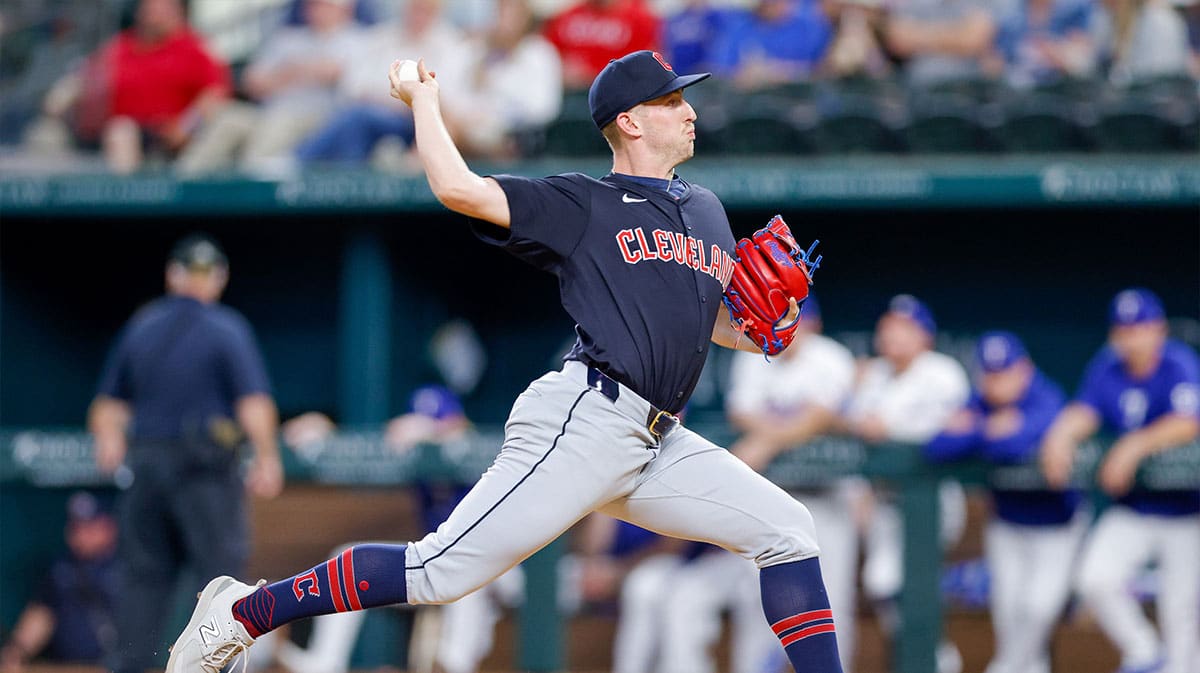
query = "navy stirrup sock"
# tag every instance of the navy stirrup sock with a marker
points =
(364, 576)
(796, 606)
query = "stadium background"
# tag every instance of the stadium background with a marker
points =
(347, 275)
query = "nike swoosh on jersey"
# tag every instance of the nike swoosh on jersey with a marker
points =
(629, 199)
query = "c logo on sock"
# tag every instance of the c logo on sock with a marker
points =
(314, 589)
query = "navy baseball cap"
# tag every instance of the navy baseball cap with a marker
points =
(997, 351)
(912, 308)
(1135, 305)
(199, 252)
(83, 507)
(436, 402)
(634, 78)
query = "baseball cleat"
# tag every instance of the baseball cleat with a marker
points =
(213, 637)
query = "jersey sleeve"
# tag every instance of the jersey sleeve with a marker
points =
(244, 369)
(1042, 405)
(947, 445)
(1184, 390)
(547, 218)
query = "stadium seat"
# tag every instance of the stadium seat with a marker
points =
(573, 133)
(1133, 125)
(945, 122)
(1041, 122)
(858, 116)
(769, 123)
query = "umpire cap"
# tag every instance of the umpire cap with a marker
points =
(632, 79)
(198, 252)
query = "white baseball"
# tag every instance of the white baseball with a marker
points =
(408, 71)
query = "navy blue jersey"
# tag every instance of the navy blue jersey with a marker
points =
(182, 364)
(641, 270)
(1126, 404)
(1038, 406)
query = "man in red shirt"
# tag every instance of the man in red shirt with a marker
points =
(155, 83)
(593, 32)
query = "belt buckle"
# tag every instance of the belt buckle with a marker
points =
(670, 420)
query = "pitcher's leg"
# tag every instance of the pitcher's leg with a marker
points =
(699, 491)
(563, 457)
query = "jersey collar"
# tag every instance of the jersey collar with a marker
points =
(676, 188)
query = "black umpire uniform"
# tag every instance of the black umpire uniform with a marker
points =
(180, 365)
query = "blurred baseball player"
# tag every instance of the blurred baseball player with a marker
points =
(776, 406)
(907, 394)
(1145, 389)
(642, 259)
(1034, 536)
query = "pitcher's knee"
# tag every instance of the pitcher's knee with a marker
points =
(792, 537)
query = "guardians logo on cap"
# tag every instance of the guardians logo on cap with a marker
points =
(1135, 305)
(632, 79)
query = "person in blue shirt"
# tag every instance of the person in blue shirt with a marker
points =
(1044, 41)
(184, 384)
(778, 41)
(1033, 535)
(1144, 389)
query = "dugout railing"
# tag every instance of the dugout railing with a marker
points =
(63, 458)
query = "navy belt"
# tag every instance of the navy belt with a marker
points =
(660, 423)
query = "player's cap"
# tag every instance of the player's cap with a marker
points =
(1135, 305)
(915, 310)
(634, 78)
(198, 252)
(997, 351)
(83, 507)
(436, 402)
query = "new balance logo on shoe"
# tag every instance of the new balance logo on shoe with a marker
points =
(210, 632)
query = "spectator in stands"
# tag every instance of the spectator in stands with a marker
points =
(776, 42)
(906, 394)
(294, 81)
(183, 388)
(940, 41)
(516, 85)
(593, 32)
(1042, 41)
(776, 406)
(1141, 39)
(689, 35)
(1144, 389)
(70, 618)
(1034, 535)
(371, 115)
(856, 49)
(148, 90)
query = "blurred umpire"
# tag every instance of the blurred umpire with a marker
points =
(183, 388)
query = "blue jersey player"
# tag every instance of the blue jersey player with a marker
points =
(1144, 389)
(1033, 535)
(642, 258)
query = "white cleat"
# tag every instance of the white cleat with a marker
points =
(213, 637)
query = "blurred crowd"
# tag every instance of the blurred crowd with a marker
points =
(313, 90)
